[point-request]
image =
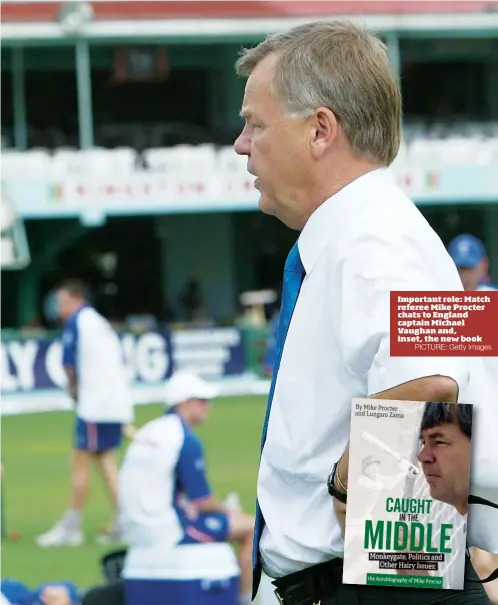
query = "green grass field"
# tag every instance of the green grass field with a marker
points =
(36, 451)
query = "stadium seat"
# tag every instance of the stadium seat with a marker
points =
(65, 162)
(124, 160)
(33, 164)
(160, 160)
(231, 162)
(440, 144)
(205, 157)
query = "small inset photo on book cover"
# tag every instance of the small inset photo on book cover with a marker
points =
(408, 489)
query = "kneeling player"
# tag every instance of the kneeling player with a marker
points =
(164, 497)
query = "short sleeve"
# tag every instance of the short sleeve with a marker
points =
(368, 275)
(191, 472)
(70, 343)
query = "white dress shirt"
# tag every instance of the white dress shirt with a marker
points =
(365, 241)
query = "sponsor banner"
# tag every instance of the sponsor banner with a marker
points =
(35, 364)
(208, 191)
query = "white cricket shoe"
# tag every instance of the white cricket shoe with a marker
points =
(60, 535)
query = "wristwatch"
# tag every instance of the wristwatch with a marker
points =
(333, 491)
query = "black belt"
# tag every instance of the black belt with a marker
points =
(311, 585)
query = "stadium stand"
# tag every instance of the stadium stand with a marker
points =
(440, 144)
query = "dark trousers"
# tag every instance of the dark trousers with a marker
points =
(472, 594)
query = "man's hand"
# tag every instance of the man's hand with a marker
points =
(73, 392)
(72, 383)
(129, 431)
(209, 505)
(429, 388)
(55, 595)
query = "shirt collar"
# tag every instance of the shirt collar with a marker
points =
(330, 218)
(84, 305)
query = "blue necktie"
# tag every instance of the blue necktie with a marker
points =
(293, 278)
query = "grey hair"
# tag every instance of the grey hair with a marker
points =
(342, 67)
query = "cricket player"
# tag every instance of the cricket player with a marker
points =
(98, 383)
(165, 498)
(469, 255)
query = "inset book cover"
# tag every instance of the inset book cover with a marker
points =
(408, 489)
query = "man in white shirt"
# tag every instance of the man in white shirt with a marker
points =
(98, 383)
(322, 113)
(166, 502)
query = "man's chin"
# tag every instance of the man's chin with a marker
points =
(265, 205)
(439, 495)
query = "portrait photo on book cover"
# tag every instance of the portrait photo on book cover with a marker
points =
(408, 489)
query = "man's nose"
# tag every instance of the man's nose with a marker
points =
(242, 144)
(425, 454)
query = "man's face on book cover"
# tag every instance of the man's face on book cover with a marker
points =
(445, 459)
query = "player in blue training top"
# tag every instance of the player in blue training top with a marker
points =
(469, 255)
(165, 499)
(98, 384)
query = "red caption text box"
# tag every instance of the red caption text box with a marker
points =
(444, 324)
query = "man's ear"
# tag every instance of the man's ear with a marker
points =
(323, 132)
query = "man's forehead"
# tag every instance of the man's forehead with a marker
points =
(440, 429)
(263, 71)
(434, 430)
(258, 83)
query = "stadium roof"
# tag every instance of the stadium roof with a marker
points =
(17, 11)
(206, 18)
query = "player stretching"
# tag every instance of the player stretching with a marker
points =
(98, 384)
